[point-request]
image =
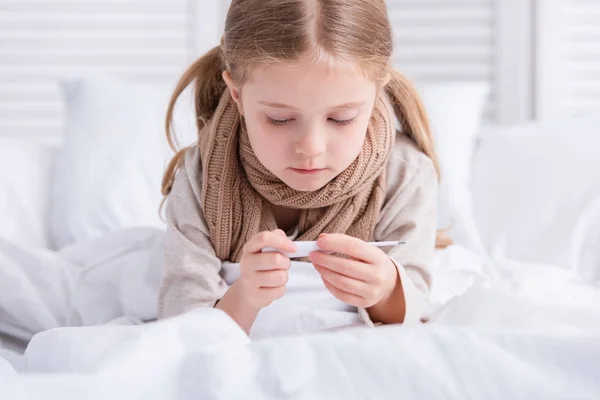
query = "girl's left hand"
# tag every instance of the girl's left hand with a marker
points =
(367, 278)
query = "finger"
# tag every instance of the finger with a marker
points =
(269, 239)
(272, 279)
(344, 297)
(344, 283)
(350, 246)
(269, 261)
(352, 268)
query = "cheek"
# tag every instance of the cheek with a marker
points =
(353, 139)
(265, 137)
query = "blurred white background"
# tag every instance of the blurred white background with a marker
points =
(541, 57)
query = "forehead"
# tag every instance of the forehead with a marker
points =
(309, 85)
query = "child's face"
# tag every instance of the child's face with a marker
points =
(307, 123)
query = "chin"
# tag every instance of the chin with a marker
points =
(305, 184)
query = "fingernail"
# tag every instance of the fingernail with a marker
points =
(322, 235)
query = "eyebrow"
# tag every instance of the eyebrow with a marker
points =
(344, 106)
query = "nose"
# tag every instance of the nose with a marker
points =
(311, 143)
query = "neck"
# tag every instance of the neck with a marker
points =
(285, 217)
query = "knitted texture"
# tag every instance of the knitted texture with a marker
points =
(237, 190)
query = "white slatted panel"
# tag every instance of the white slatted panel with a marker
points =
(581, 56)
(41, 41)
(568, 58)
(445, 40)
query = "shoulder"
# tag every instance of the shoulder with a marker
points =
(189, 172)
(186, 193)
(407, 165)
(191, 162)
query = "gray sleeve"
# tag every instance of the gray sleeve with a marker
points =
(409, 214)
(192, 270)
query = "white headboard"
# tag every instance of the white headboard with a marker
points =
(44, 40)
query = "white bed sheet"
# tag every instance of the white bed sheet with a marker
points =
(499, 330)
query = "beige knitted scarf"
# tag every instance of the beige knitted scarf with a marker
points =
(237, 190)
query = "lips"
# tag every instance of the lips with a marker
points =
(307, 171)
(307, 168)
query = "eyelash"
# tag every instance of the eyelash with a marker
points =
(343, 122)
(278, 122)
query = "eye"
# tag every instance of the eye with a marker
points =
(278, 122)
(343, 122)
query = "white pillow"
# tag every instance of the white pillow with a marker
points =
(110, 167)
(455, 111)
(25, 177)
(532, 186)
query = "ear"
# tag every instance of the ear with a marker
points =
(233, 89)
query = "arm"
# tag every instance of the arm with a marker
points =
(391, 309)
(410, 214)
(192, 278)
(192, 270)
(381, 288)
(234, 305)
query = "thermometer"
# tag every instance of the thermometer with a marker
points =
(303, 249)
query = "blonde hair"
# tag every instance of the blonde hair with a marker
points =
(276, 31)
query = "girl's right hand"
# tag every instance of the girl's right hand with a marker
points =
(263, 276)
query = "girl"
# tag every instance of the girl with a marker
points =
(297, 140)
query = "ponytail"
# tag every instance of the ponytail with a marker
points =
(206, 73)
(414, 123)
(411, 114)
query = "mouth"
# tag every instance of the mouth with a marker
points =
(307, 171)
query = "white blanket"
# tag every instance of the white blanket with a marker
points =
(512, 331)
